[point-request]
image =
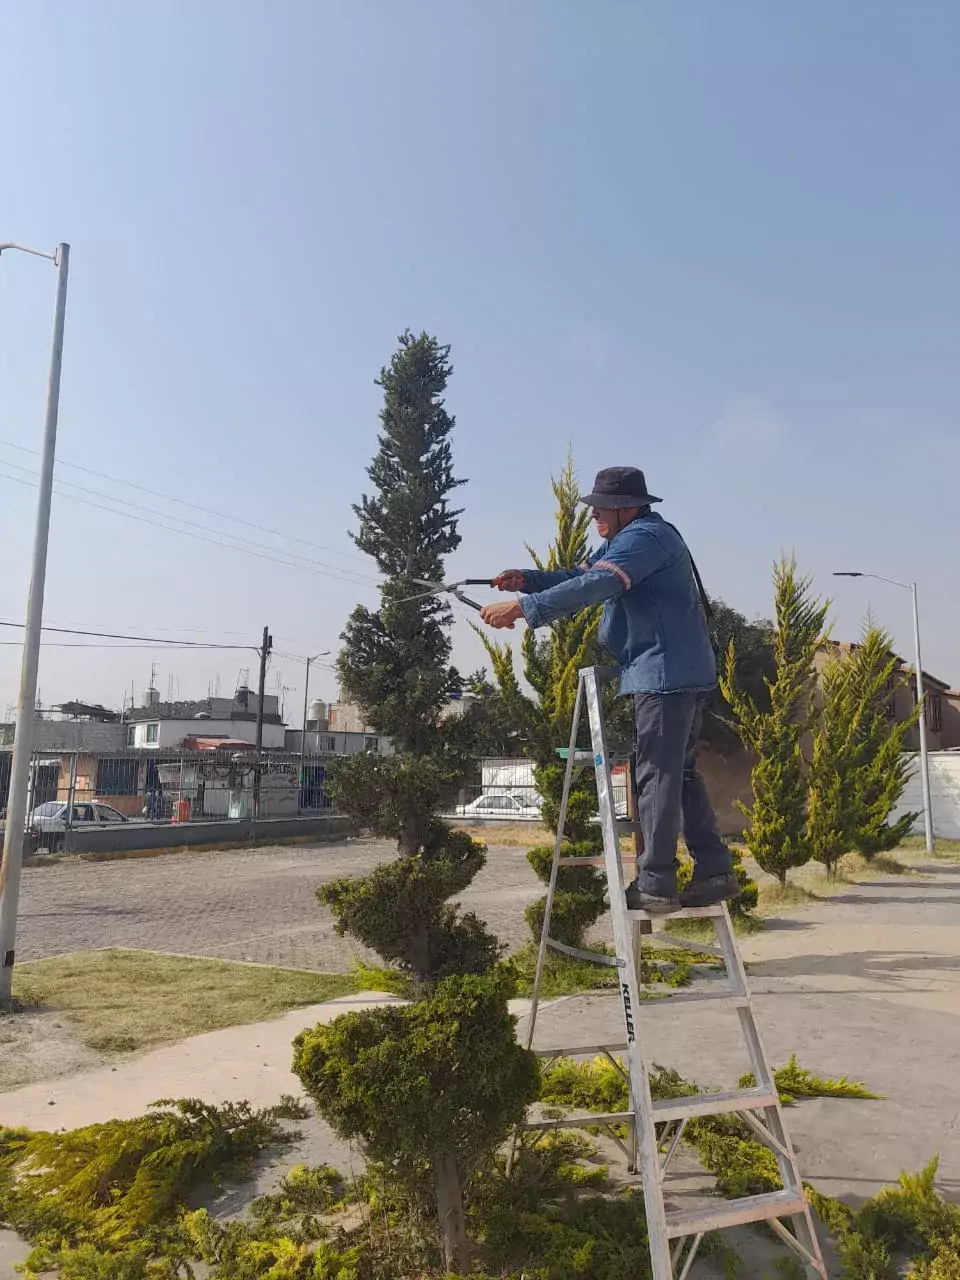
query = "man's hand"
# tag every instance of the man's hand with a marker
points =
(509, 580)
(502, 615)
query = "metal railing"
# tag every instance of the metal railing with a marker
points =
(75, 789)
(84, 790)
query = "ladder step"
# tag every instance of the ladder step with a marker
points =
(681, 913)
(731, 999)
(581, 1050)
(591, 957)
(581, 1122)
(598, 861)
(734, 1213)
(714, 1104)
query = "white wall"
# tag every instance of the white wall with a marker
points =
(173, 732)
(944, 795)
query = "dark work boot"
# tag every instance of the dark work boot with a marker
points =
(712, 889)
(655, 904)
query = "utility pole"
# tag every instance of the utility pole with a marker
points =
(23, 734)
(265, 648)
(922, 726)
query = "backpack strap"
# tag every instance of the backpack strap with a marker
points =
(704, 598)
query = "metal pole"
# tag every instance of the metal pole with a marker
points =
(921, 702)
(23, 735)
(71, 797)
(258, 764)
(303, 731)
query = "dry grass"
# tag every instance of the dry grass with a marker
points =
(126, 1001)
(811, 883)
(520, 835)
(773, 896)
(854, 867)
(948, 850)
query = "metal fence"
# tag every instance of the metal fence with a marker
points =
(70, 790)
(504, 790)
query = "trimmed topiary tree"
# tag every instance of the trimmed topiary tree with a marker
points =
(430, 1088)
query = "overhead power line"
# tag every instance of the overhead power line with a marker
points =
(187, 533)
(136, 506)
(114, 635)
(165, 647)
(169, 497)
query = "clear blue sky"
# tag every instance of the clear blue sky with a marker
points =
(718, 241)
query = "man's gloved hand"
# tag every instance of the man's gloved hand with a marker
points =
(509, 580)
(502, 615)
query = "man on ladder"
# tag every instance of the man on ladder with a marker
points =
(656, 626)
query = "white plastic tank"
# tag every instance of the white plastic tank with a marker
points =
(317, 710)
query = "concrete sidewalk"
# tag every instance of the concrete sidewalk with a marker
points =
(249, 1062)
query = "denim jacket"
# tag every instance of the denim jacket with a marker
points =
(653, 621)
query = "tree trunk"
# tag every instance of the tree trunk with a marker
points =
(453, 1223)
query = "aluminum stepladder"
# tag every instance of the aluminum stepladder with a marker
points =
(674, 1236)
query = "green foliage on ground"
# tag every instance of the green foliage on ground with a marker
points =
(120, 1188)
(910, 1220)
(114, 1201)
(794, 1081)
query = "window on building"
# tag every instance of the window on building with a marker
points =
(330, 743)
(934, 712)
(153, 733)
(370, 744)
(117, 777)
(131, 739)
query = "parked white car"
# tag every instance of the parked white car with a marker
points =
(48, 821)
(500, 806)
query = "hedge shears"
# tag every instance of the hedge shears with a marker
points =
(449, 589)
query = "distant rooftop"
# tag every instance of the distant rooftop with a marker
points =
(237, 708)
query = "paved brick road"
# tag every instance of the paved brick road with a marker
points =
(243, 904)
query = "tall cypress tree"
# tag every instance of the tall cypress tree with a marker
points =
(432, 1087)
(778, 835)
(858, 767)
(551, 664)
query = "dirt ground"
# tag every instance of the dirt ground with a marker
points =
(865, 982)
(890, 937)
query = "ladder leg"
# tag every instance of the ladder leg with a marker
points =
(762, 1074)
(641, 1102)
(551, 892)
(555, 867)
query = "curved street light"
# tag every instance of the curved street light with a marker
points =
(23, 733)
(921, 702)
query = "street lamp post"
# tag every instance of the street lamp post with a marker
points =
(921, 703)
(303, 731)
(23, 734)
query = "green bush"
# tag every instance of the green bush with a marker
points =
(395, 1075)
